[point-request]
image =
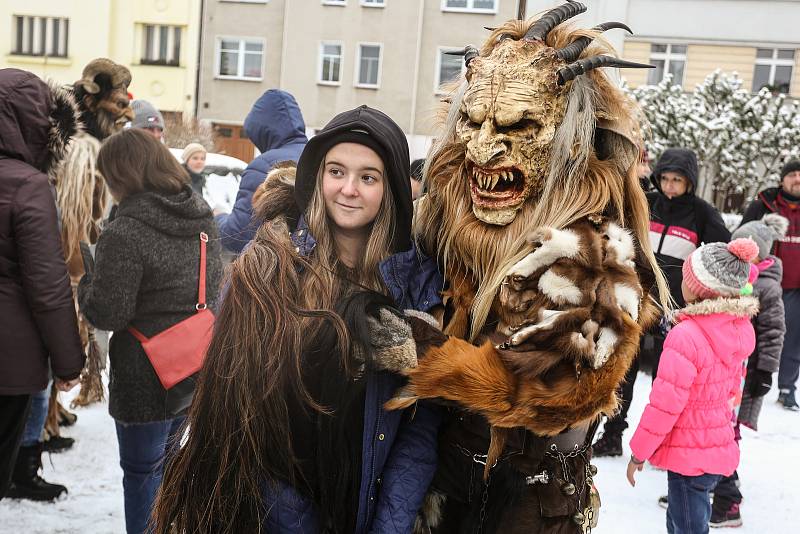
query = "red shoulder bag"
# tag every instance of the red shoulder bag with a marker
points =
(178, 352)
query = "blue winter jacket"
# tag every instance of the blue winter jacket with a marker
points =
(275, 125)
(399, 447)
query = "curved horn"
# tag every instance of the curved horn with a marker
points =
(572, 51)
(539, 30)
(582, 66)
(469, 52)
(121, 76)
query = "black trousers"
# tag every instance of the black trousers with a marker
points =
(726, 494)
(13, 414)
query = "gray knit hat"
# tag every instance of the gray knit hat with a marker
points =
(145, 115)
(764, 232)
(720, 269)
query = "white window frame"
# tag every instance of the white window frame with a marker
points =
(322, 44)
(34, 50)
(246, 1)
(373, 3)
(470, 8)
(669, 56)
(240, 65)
(775, 62)
(334, 2)
(437, 82)
(169, 61)
(357, 69)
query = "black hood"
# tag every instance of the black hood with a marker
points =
(378, 131)
(181, 214)
(37, 120)
(680, 160)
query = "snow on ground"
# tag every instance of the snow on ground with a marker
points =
(769, 470)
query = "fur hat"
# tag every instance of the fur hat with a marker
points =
(790, 166)
(191, 149)
(764, 232)
(720, 269)
(146, 115)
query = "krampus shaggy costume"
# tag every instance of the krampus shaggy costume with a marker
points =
(82, 195)
(535, 212)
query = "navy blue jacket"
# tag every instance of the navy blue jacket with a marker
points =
(275, 125)
(399, 447)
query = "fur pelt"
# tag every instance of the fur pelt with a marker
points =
(573, 311)
(739, 306)
(64, 125)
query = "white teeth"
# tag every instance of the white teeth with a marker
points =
(495, 179)
(509, 176)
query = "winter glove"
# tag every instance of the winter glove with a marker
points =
(760, 383)
(392, 343)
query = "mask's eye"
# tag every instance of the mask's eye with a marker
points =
(523, 125)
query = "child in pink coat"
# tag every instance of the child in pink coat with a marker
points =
(686, 428)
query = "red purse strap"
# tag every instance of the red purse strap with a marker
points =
(201, 288)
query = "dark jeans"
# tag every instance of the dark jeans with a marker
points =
(34, 426)
(13, 414)
(790, 357)
(142, 448)
(689, 504)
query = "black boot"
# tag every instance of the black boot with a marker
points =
(26, 482)
(609, 444)
(58, 444)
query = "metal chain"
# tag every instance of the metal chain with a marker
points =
(484, 500)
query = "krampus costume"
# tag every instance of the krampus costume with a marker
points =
(82, 195)
(535, 212)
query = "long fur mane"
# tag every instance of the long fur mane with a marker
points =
(592, 171)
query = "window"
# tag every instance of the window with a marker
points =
(369, 65)
(373, 3)
(773, 69)
(240, 59)
(330, 63)
(161, 45)
(470, 6)
(448, 67)
(40, 36)
(334, 2)
(668, 58)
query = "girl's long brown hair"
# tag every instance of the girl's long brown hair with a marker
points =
(215, 481)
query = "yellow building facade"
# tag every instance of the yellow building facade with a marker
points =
(157, 40)
(755, 65)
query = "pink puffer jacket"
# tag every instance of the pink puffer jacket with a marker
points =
(686, 427)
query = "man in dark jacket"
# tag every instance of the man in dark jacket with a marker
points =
(680, 222)
(275, 125)
(39, 332)
(785, 200)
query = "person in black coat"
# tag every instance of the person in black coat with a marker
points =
(146, 277)
(39, 334)
(680, 222)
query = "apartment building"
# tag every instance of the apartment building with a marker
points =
(334, 55)
(157, 39)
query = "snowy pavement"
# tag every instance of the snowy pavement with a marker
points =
(769, 470)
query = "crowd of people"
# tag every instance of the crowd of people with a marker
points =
(317, 322)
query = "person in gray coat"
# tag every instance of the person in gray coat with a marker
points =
(146, 277)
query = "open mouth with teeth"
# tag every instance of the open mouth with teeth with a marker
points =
(496, 188)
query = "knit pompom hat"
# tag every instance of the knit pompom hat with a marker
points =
(720, 269)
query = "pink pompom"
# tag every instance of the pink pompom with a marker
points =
(744, 248)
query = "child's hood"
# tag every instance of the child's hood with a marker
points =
(772, 274)
(719, 321)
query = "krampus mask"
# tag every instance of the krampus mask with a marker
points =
(102, 94)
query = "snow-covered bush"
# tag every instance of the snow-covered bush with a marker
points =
(741, 139)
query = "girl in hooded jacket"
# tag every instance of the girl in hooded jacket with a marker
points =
(686, 428)
(287, 431)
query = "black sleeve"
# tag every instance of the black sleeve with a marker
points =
(715, 230)
(754, 211)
